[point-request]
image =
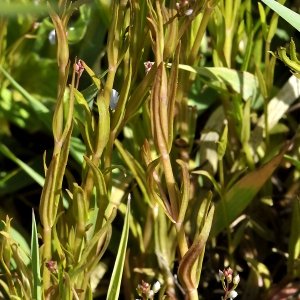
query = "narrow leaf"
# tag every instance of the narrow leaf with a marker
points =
(115, 282)
(286, 13)
(188, 260)
(94, 77)
(35, 261)
(32, 173)
(222, 145)
(242, 193)
(243, 83)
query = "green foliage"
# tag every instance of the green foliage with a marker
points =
(179, 105)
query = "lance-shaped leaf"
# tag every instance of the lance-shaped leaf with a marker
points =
(263, 21)
(80, 213)
(202, 213)
(58, 117)
(159, 110)
(94, 77)
(120, 109)
(243, 83)
(46, 202)
(61, 34)
(293, 52)
(138, 97)
(26, 275)
(32, 173)
(82, 112)
(102, 198)
(161, 201)
(172, 88)
(171, 32)
(92, 259)
(136, 170)
(290, 16)
(57, 244)
(185, 195)
(35, 261)
(90, 245)
(60, 172)
(116, 277)
(103, 128)
(222, 145)
(39, 108)
(185, 273)
(69, 120)
(66, 292)
(242, 193)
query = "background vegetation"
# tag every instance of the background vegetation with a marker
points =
(155, 141)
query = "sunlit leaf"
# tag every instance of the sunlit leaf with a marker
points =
(243, 192)
(289, 15)
(243, 83)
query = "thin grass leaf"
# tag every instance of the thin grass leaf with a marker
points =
(35, 261)
(290, 16)
(136, 170)
(115, 282)
(41, 110)
(32, 173)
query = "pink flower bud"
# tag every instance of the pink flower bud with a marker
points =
(79, 67)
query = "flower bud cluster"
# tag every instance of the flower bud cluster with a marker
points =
(144, 290)
(226, 278)
(79, 67)
(148, 65)
(183, 7)
(51, 266)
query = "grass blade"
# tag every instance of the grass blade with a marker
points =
(35, 263)
(40, 109)
(32, 173)
(290, 16)
(115, 282)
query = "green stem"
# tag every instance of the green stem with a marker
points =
(221, 174)
(225, 212)
(201, 30)
(267, 73)
(47, 256)
(108, 160)
(171, 183)
(193, 295)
